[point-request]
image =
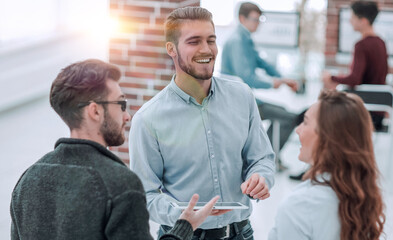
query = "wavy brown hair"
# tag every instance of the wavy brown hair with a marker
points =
(345, 151)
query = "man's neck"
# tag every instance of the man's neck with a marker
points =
(197, 89)
(368, 31)
(244, 27)
(88, 135)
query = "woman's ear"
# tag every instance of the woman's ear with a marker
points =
(171, 49)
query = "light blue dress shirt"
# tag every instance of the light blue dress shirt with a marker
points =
(239, 58)
(309, 212)
(183, 147)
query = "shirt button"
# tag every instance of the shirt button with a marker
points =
(212, 155)
(215, 180)
(219, 225)
(203, 109)
(208, 132)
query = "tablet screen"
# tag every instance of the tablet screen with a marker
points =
(218, 205)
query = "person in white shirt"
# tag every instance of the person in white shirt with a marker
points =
(340, 198)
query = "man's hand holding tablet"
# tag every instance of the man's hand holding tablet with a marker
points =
(196, 218)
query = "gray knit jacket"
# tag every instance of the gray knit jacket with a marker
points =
(82, 191)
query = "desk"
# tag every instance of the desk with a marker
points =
(291, 101)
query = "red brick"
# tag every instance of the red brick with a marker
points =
(331, 34)
(133, 19)
(115, 51)
(147, 98)
(150, 65)
(114, 6)
(332, 28)
(123, 149)
(145, 54)
(159, 87)
(166, 11)
(136, 108)
(148, 31)
(126, 161)
(134, 8)
(119, 41)
(160, 20)
(132, 85)
(115, 56)
(150, 43)
(140, 75)
(331, 41)
(196, 4)
(131, 96)
(120, 62)
(166, 77)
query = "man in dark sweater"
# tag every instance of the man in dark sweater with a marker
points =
(81, 190)
(370, 58)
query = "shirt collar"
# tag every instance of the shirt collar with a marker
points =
(243, 30)
(187, 98)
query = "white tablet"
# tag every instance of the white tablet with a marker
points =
(218, 205)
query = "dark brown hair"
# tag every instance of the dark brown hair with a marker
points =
(80, 82)
(178, 16)
(247, 7)
(365, 9)
(345, 151)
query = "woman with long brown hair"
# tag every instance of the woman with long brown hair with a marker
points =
(340, 197)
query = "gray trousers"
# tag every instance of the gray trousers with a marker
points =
(287, 120)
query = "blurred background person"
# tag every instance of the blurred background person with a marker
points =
(240, 58)
(370, 58)
(341, 198)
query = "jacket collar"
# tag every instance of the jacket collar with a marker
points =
(86, 142)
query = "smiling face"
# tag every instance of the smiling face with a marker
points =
(196, 51)
(307, 132)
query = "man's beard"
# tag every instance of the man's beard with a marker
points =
(111, 131)
(192, 72)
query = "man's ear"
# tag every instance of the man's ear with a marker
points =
(365, 21)
(94, 112)
(242, 19)
(171, 49)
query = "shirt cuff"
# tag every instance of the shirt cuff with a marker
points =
(181, 230)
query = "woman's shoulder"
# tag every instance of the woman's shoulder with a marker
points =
(310, 196)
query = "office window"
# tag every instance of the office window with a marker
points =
(26, 20)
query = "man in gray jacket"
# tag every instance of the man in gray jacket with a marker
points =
(81, 190)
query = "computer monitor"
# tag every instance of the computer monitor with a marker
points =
(279, 29)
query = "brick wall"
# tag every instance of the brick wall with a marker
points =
(333, 8)
(139, 51)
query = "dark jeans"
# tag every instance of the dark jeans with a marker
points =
(246, 233)
(287, 120)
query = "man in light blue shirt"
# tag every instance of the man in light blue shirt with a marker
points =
(239, 58)
(201, 134)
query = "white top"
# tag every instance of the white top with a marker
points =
(309, 212)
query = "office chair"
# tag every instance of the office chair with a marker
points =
(377, 98)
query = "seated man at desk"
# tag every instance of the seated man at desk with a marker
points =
(240, 58)
(370, 64)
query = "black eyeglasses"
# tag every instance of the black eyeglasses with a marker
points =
(122, 103)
